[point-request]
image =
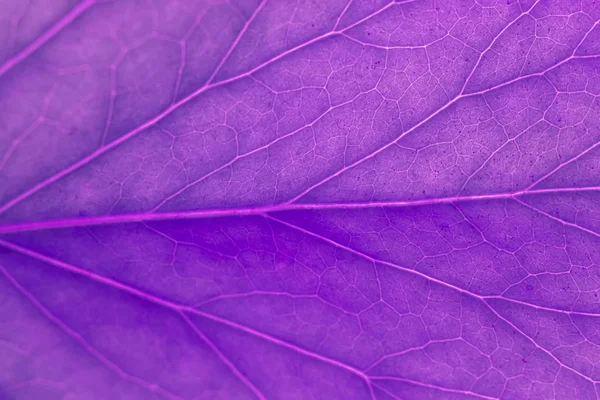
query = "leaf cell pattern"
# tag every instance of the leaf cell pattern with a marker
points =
(279, 199)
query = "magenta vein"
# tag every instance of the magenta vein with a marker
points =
(259, 210)
(392, 395)
(175, 306)
(561, 221)
(206, 87)
(416, 383)
(234, 370)
(439, 111)
(430, 279)
(236, 41)
(61, 24)
(179, 307)
(425, 276)
(82, 342)
(339, 19)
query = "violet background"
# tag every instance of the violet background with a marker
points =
(278, 199)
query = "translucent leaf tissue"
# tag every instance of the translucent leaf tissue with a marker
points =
(299, 200)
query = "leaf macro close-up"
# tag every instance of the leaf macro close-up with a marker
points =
(299, 199)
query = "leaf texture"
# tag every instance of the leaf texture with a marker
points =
(273, 199)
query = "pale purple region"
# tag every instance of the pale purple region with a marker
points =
(263, 199)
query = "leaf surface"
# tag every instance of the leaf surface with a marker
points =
(273, 199)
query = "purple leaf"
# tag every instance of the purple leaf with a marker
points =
(344, 199)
